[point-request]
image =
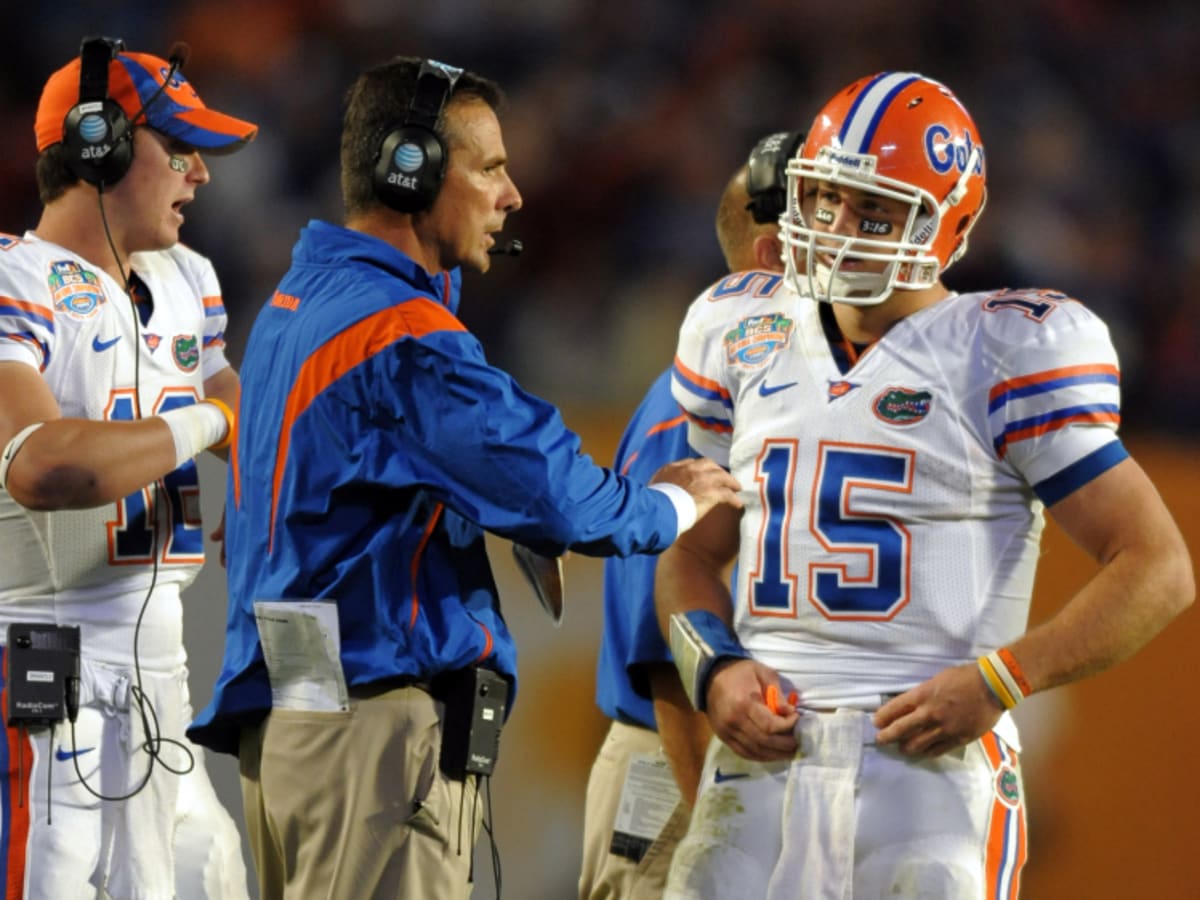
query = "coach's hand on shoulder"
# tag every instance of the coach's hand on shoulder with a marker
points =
(948, 711)
(708, 484)
(739, 714)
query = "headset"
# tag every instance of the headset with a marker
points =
(411, 160)
(98, 137)
(97, 134)
(766, 174)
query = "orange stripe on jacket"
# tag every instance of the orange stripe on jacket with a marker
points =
(416, 562)
(341, 353)
(487, 647)
(667, 425)
(650, 432)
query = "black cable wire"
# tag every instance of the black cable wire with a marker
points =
(154, 741)
(49, 781)
(491, 833)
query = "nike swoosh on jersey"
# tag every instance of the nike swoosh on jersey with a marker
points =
(766, 391)
(100, 346)
(64, 755)
(720, 776)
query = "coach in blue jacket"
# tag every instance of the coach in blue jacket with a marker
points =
(375, 445)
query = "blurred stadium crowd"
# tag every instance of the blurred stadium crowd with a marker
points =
(625, 119)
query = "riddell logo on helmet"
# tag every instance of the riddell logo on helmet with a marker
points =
(861, 163)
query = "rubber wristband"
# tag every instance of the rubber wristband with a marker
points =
(685, 505)
(994, 684)
(195, 428)
(1013, 669)
(10, 450)
(1004, 677)
(229, 422)
(699, 640)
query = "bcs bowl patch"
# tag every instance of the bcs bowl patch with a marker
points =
(756, 339)
(903, 406)
(75, 290)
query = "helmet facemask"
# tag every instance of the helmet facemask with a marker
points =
(810, 270)
(904, 139)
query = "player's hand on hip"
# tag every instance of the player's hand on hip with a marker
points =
(708, 483)
(740, 716)
(950, 710)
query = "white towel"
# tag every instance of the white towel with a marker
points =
(136, 857)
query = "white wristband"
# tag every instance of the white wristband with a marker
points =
(685, 506)
(10, 451)
(195, 428)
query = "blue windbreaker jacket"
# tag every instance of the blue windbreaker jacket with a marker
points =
(374, 445)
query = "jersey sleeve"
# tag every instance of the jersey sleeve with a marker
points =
(1054, 404)
(212, 354)
(202, 276)
(697, 381)
(26, 308)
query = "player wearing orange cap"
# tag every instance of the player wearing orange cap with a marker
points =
(112, 378)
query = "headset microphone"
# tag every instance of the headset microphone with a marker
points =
(512, 248)
(176, 58)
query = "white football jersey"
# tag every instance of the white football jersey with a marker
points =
(73, 322)
(893, 511)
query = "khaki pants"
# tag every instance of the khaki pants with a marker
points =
(605, 874)
(352, 804)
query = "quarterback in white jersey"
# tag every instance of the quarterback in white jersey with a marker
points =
(897, 444)
(72, 322)
(112, 378)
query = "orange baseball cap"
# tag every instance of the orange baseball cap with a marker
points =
(134, 78)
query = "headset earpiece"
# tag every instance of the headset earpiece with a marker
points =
(766, 174)
(97, 134)
(410, 161)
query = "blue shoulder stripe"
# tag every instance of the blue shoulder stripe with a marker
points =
(1079, 473)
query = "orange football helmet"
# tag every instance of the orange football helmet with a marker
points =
(897, 135)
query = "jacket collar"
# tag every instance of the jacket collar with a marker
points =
(323, 243)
